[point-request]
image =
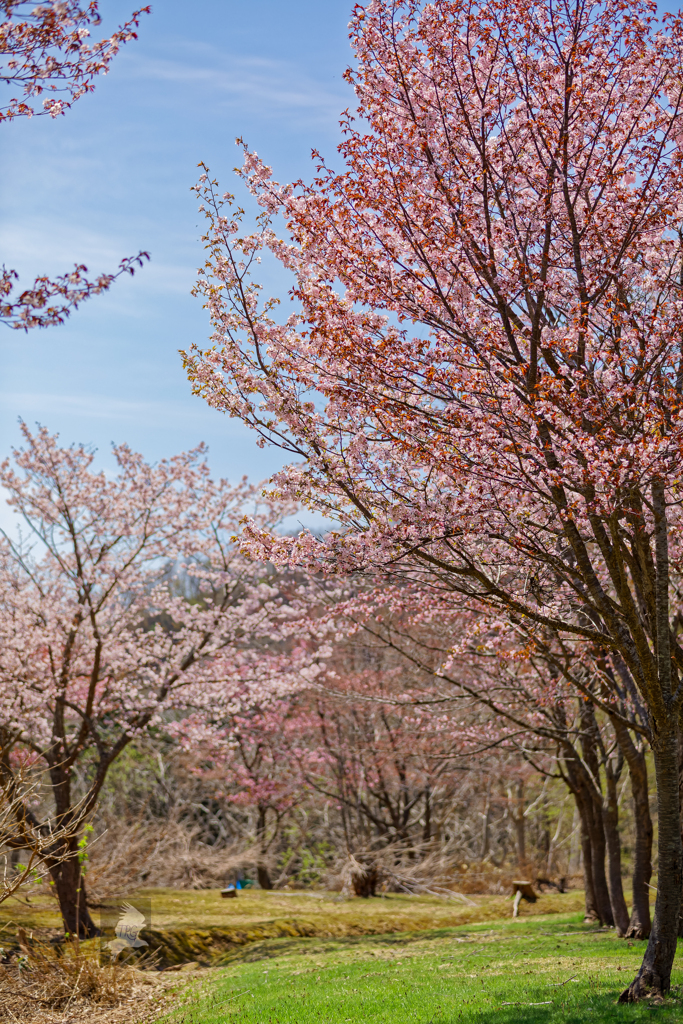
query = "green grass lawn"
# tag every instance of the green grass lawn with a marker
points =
(540, 970)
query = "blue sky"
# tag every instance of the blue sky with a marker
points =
(113, 177)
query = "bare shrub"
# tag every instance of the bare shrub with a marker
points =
(360, 878)
(434, 871)
(25, 829)
(157, 854)
(57, 977)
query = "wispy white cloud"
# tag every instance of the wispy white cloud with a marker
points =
(272, 86)
(34, 405)
(53, 244)
(113, 177)
(55, 240)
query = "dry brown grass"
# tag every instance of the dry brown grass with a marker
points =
(169, 855)
(52, 984)
(423, 871)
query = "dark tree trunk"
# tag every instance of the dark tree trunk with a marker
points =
(598, 849)
(69, 886)
(654, 976)
(610, 812)
(427, 830)
(519, 821)
(590, 745)
(640, 924)
(64, 865)
(598, 906)
(262, 872)
(680, 806)
(591, 912)
(263, 876)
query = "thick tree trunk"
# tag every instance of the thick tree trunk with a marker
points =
(680, 805)
(610, 814)
(589, 804)
(65, 866)
(640, 923)
(592, 913)
(262, 872)
(70, 889)
(519, 821)
(590, 775)
(263, 876)
(598, 849)
(654, 976)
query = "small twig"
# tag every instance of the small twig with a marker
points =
(559, 984)
(478, 950)
(547, 1002)
(74, 988)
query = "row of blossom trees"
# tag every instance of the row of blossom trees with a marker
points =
(481, 382)
(525, 705)
(392, 745)
(481, 379)
(127, 610)
(98, 637)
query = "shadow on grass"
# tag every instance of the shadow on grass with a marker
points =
(567, 928)
(272, 948)
(580, 1008)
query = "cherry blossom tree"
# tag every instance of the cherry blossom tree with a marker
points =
(401, 777)
(530, 696)
(247, 751)
(482, 377)
(388, 763)
(45, 55)
(129, 601)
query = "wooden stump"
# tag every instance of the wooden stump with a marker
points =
(364, 879)
(361, 878)
(229, 894)
(523, 890)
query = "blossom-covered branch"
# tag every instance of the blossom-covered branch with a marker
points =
(46, 56)
(481, 383)
(50, 301)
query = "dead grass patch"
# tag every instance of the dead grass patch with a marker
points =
(54, 984)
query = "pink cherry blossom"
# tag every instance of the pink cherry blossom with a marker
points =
(480, 382)
(126, 600)
(46, 60)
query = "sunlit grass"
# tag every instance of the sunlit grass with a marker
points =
(544, 970)
(329, 913)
